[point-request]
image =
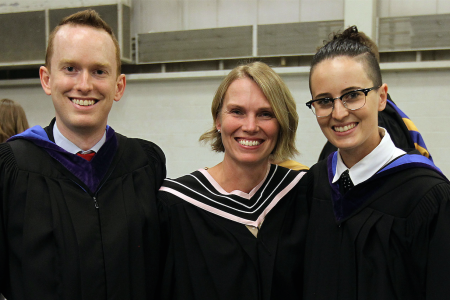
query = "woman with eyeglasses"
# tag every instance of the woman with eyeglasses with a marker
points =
(379, 224)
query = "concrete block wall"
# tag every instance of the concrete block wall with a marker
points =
(155, 16)
(11, 6)
(168, 15)
(401, 8)
(174, 113)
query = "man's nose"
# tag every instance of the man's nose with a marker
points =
(84, 82)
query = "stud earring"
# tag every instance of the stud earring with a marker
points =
(218, 130)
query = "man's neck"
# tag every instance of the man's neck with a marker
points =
(85, 139)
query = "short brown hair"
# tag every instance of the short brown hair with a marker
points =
(280, 99)
(12, 119)
(89, 18)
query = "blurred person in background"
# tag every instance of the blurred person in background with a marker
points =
(12, 119)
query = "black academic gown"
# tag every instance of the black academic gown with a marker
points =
(212, 257)
(55, 243)
(387, 238)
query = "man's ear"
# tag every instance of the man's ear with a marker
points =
(44, 75)
(383, 91)
(120, 87)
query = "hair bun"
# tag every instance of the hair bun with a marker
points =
(352, 43)
(350, 33)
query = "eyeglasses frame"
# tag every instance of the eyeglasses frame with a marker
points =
(365, 91)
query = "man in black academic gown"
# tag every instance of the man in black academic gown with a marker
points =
(78, 215)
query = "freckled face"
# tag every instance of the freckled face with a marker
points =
(83, 79)
(355, 132)
(248, 125)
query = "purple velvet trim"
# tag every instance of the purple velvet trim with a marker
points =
(90, 173)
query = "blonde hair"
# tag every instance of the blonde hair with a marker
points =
(12, 119)
(279, 98)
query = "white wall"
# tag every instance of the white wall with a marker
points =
(174, 113)
(37, 105)
(424, 97)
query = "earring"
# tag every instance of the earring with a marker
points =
(218, 130)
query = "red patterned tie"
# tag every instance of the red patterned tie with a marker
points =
(87, 156)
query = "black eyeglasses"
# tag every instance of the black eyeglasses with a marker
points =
(352, 100)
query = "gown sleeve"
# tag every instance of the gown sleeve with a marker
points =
(157, 157)
(3, 259)
(7, 163)
(438, 262)
(428, 228)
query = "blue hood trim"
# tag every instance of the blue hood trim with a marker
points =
(90, 173)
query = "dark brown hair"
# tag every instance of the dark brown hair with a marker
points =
(353, 44)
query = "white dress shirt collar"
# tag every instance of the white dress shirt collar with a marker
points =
(383, 154)
(70, 147)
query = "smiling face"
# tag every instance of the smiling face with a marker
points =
(83, 79)
(355, 133)
(247, 123)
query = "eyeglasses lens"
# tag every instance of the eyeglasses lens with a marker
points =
(353, 101)
(322, 108)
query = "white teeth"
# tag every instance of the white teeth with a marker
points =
(249, 143)
(345, 128)
(83, 102)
